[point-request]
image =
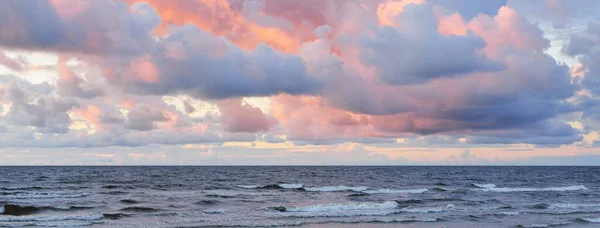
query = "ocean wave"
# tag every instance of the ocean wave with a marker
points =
(544, 225)
(25, 188)
(428, 209)
(350, 213)
(485, 185)
(140, 209)
(272, 186)
(590, 220)
(66, 223)
(115, 216)
(573, 205)
(207, 202)
(248, 186)
(439, 189)
(563, 208)
(13, 209)
(214, 211)
(320, 223)
(341, 188)
(44, 195)
(493, 188)
(231, 194)
(396, 191)
(96, 216)
(129, 201)
(340, 207)
(405, 220)
(508, 213)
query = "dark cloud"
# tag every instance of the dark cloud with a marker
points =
(30, 24)
(586, 46)
(416, 53)
(144, 118)
(197, 63)
(55, 26)
(188, 108)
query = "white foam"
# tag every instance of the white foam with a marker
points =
(546, 225)
(485, 185)
(396, 191)
(427, 209)
(50, 218)
(407, 220)
(350, 213)
(549, 189)
(214, 211)
(345, 207)
(64, 224)
(592, 220)
(248, 186)
(337, 188)
(45, 195)
(573, 205)
(291, 186)
(509, 213)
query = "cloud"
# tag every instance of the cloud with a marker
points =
(415, 52)
(70, 85)
(204, 66)
(364, 72)
(10, 63)
(144, 118)
(80, 27)
(586, 46)
(469, 9)
(47, 114)
(240, 117)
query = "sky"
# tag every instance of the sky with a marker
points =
(312, 82)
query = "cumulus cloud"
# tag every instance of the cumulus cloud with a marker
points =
(204, 66)
(80, 27)
(144, 118)
(332, 72)
(469, 9)
(415, 52)
(240, 117)
(47, 113)
(71, 85)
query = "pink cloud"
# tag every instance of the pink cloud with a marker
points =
(237, 116)
(507, 29)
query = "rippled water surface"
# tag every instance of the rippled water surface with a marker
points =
(300, 196)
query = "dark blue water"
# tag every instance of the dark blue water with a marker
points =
(300, 196)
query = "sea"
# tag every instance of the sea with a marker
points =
(299, 196)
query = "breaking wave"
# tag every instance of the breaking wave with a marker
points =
(272, 186)
(89, 217)
(590, 220)
(493, 188)
(395, 191)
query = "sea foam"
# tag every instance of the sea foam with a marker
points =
(341, 188)
(96, 216)
(493, 188)
(344, 207)
(395, 191)
(592, 220)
